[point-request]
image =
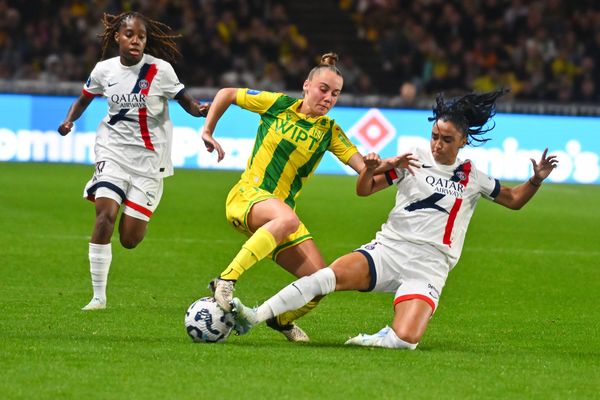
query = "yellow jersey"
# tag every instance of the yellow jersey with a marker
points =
(289, 145)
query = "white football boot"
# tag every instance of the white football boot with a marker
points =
(245, 317)
(292, 332)
(222, 292)
(95, 304)
(374, 340)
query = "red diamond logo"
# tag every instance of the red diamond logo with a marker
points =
(373, 130)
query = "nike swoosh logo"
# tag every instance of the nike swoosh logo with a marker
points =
(112, 84)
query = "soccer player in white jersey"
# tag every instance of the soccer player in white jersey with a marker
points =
(422, 239)
(133, 142)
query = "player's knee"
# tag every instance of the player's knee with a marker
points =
(129, 242)
(407, 335)
(290, 223)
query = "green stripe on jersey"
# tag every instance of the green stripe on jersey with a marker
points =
(273, 172)
(280, 105)
(267, 119)
(306, 169)
(304, 124)
(263, 129)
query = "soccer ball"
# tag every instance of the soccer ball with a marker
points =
(205, 321)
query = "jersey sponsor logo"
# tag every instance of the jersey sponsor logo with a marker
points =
(129, 100)
(294, 133)
(252, 92)
(454, 186)
(446, 186)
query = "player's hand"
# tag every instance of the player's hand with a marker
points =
(372, 161)
(203, 108)
(544, 167)
(212, 145)
(65, 128)
(407, 161)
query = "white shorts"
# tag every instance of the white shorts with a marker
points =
(140, 195)
(411, 271)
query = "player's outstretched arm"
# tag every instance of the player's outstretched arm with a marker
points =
(75, 111)
(372, 179)
(367, 182)
(407, 161)
(516, 197)
(191, 106)
(223, 99)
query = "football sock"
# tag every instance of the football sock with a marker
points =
(290, 316)
(100, 256)
(392, 341)
(297, 294)
(261, 244)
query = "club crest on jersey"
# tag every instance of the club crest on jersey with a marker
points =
(461, 175)
(144, 84)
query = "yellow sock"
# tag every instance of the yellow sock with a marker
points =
(290, 316)
(261, 244)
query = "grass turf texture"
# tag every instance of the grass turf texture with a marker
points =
(518, 318)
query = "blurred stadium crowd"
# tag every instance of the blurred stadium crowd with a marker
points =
(543, 50)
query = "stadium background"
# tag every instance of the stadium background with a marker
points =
(518, 317)
(395, 56)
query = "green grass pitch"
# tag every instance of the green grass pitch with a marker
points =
(519, 316)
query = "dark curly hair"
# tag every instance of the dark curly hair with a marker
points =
(469, 113)
(160, 42)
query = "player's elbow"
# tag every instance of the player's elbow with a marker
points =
(516, 205)
(364, 190)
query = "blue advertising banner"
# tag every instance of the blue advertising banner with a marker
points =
(28, 133)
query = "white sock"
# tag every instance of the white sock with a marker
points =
(297, 294)
(100, 256)
(392, 341)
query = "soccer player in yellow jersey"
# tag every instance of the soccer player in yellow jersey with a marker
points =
(293, 135)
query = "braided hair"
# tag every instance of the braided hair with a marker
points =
(328, 60)
(469, 113)
(160, 43)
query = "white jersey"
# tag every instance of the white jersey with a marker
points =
(137, 132)
(435, 205)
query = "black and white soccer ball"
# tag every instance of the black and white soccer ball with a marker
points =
(206, 322)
